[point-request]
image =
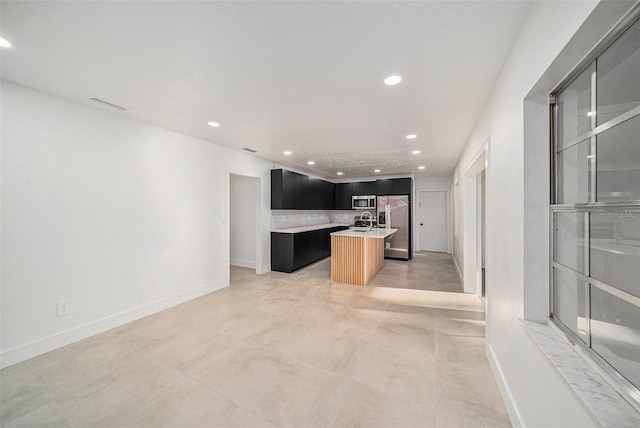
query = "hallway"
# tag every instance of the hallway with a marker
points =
(278, 350)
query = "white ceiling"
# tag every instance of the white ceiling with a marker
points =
(300, 76)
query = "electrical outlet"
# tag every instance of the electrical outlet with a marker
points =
(64, 308)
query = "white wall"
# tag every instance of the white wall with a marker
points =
(432, 183)
(537, 396)
(242, 220)
(119, 217)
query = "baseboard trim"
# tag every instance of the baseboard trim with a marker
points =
(243, 263)
(505, 392)
(46, 344)
(455, 263)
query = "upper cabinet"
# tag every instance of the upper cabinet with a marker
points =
(293, 191)
(364, 188)
(394, 186)
(281, 189)
(343, 193)
(322, 197)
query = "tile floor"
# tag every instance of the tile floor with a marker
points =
(278, 350)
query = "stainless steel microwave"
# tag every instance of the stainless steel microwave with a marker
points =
(363, 202)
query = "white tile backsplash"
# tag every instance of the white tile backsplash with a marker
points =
(285, 219)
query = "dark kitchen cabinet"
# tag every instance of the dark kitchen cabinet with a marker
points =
(343, 193)
(401, 186)
(394, 186)
(309, 195)
(323, 195)
(293, 191)
(364, 188)
(369, 188)
(282, 185)
(357, 189)
(300, 187)
(383, 187)
(293, 251)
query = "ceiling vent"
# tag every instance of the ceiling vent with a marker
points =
(246, 149)
(106, 104)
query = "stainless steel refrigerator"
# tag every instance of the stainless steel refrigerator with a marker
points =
(396, 211)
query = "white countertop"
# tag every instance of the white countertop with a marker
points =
(366, 233)
(309, 228)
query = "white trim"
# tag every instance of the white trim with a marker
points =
(243, 263)
(469, 232)
(482, 152)
(503, 387)
(259, 227)
(46, 344)
(455, 263)
(469, 218)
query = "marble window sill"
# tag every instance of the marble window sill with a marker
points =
(606, 406)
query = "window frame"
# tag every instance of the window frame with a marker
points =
(625, 387)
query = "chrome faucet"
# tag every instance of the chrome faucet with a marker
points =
(370, 219)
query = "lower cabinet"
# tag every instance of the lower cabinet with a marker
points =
(293, 251)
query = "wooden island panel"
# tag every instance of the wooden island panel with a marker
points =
(356, 260)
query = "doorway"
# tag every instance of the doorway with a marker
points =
(480, 230)
(433, 221)
(244, 197)
(474, 225)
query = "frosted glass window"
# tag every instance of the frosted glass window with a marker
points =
(569, 240)
(570, 303)
(574, 174)
(618, 162)
(595, 208)
(615, 333)
(615, 249)
(617, 79)
(574, 108)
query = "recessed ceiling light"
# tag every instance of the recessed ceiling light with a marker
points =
(4, 43)
(287, 153)
(214, 124)
(421, 167)
(311, 162)
(376, 170)
(416, 152)
(392, 80)
(412, 136)
(340, 173)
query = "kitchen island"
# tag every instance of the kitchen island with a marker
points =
(357, 255)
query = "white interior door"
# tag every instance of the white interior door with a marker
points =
(433, 221)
